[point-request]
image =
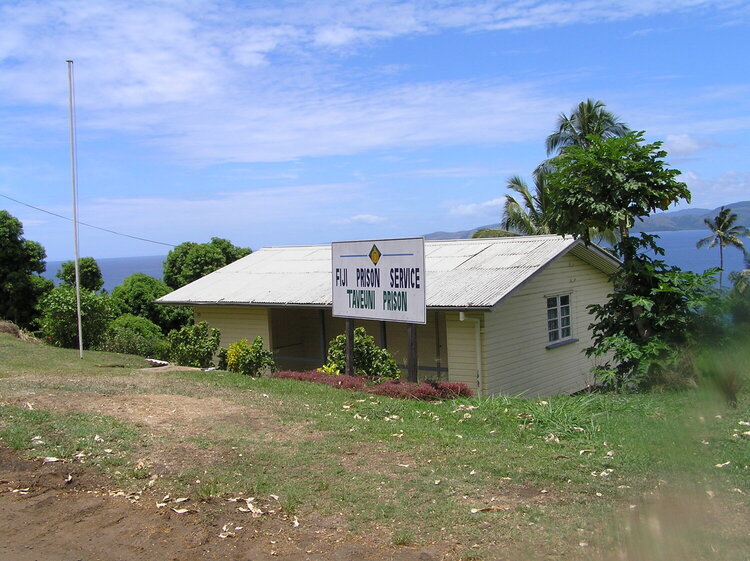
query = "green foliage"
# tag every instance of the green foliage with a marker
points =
(221, 358)
(369, 359)
(610, 184)
(532, 215)
(89, 271)
(641, 329)
(190, 261)
(251, 359)
(59, 322)
(20, 259)
(492, 233)
(129, 334)
(606, 184)
(588, 119)
(194, 345)
(136, 296)
(726, 367)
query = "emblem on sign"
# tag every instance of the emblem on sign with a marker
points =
(375, 255)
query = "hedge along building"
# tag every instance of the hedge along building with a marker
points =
(504, 315)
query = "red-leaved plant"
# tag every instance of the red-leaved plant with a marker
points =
(426, 391)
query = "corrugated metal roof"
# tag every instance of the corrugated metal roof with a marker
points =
(461, 274)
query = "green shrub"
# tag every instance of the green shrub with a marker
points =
(221, 356)
(249, 359)
(160, 349)
(132, 335)
(194, 345)
(59, 322)
(136, 296)
(369, 359)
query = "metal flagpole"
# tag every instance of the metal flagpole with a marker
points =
(74, 176)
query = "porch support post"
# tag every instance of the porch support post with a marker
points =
(412, 366)
(349, 347)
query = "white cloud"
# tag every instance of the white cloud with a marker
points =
(217, 81)
(454, 172)
(684, 144)
(478, 209)
(362, 219)
(729, 187)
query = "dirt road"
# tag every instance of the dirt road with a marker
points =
(61, 512)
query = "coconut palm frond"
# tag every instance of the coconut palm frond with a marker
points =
(706, 241)
(516, 219)
(588, 118)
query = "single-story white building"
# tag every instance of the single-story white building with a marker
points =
(504, 315)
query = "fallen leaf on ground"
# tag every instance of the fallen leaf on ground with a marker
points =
(51, 459)
(489, 509)
(181, 510)
(723, 465)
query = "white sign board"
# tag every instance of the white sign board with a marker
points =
(379, 280)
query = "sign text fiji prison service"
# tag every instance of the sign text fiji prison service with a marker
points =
(379, 280)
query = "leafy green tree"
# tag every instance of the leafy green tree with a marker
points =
(190, 261)
(531, 215)
(607, 185)
(21, 261)
(59, 321)
(724, 233)
(136, 296)
(639, 331)
(90, 273)
(589, 119)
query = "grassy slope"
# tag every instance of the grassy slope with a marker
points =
(411, 472)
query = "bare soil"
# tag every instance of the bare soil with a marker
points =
(70, 512)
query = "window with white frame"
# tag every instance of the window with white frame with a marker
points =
(558, 317)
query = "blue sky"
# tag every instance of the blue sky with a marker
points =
(286, 123)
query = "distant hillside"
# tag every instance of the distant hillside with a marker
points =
(461, 235)
(691, 219)
(687, 219)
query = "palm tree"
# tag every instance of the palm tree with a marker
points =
(530, 216)
(587, 118)
(724, 233)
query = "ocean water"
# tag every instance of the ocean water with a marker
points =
(679, 250)
(116, 269)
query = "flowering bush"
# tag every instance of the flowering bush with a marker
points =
(426, 391)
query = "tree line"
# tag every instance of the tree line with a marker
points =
(127, 320)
